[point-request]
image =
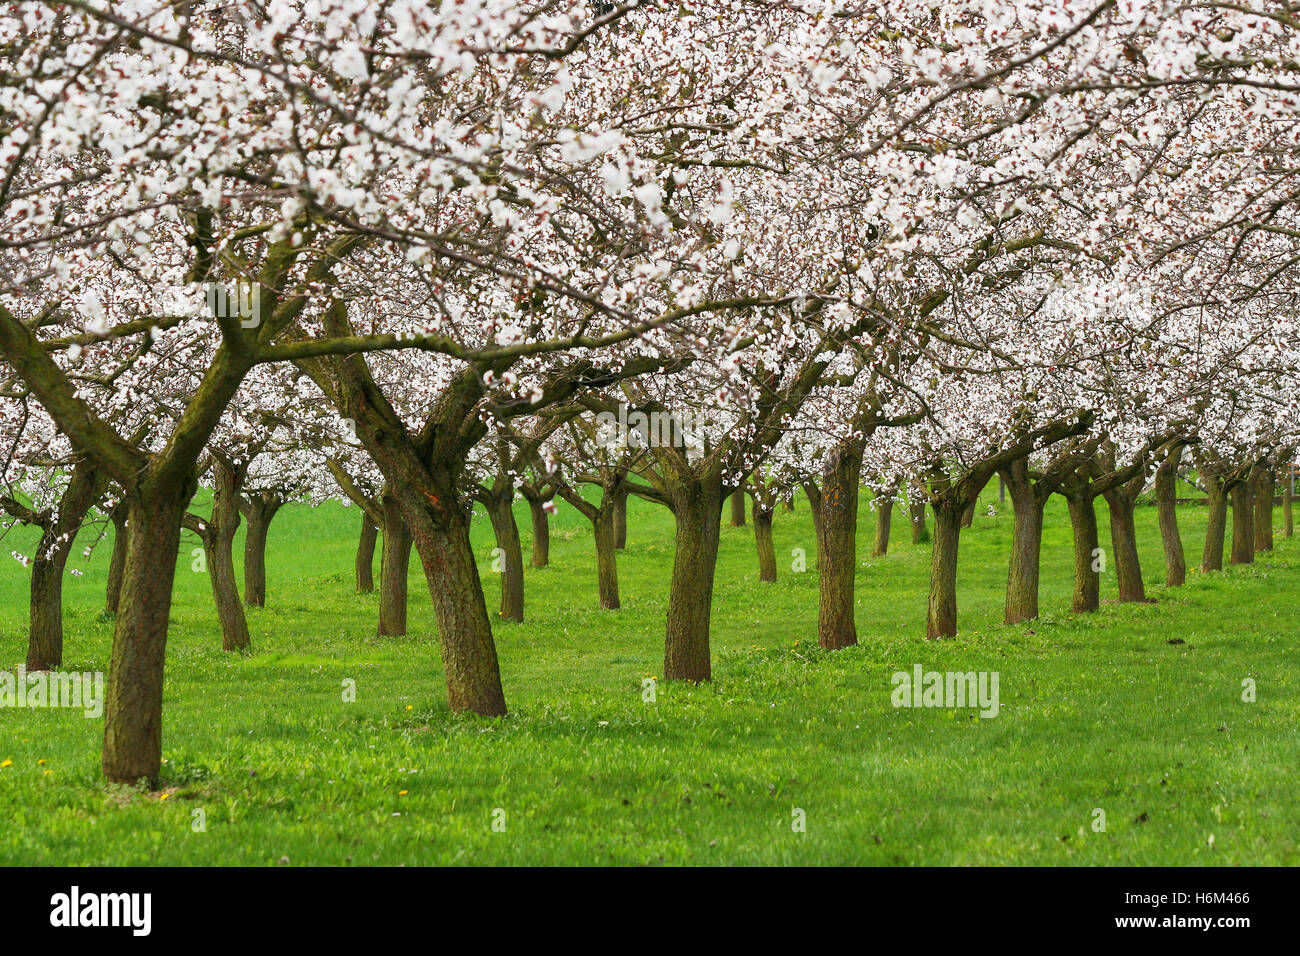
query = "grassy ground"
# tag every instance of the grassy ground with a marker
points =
(1136, 711)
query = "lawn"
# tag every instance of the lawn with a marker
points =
(1135, 711)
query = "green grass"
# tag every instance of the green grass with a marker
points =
(1097, 712)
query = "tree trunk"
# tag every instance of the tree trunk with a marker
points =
(511, 557)
(920, 533)
(541, 533)
(469, 657)
(620, 521)
(738, 509)
(364, 566)
(1087, 580)
(1166, 489)
(884, 518)
(45, 615)
(763, 539)
(837, 546)
(133, 700)
(261, 511)
(605, 525)
(814, 505)
(218, 543)
(1287, 495)
(941, 620)
(697, 510)
(1026, 544)
(1264, 491)
(1215, 526)
(394, 566)
(968, 513)
(117, 562)
(1243, 524)
(1123, 542)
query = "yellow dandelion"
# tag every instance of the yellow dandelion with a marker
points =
(40, 763)
(163, 797)
(410, 707)
(48, 772)
(6, 763)
(401, 793)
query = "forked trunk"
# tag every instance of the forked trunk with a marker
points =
(763, 539)
(364, 565)
(1166, 490)
(968, 513)
(837, 544)
(1216, 522)
(697, 510)
(941, 621)
(604, 525)
(1264, 491)
(133, 699)
(511, 558)
(541, 533)
(394, 566)
(1243, 524)
(1087, 553)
